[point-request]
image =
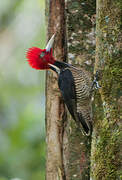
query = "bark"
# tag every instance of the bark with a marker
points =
(68, 151)
(54, 104)
(105, 155)
(81, 52)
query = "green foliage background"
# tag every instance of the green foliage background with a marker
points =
(22, 100)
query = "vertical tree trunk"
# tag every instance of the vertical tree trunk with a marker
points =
(54, 103)
(105, 154)
(81, 52)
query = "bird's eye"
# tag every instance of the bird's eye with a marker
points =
(42, 54)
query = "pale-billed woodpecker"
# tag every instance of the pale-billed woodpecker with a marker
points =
(74, 83)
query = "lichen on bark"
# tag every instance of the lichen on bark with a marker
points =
(81, 16)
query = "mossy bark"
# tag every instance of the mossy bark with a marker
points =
(105, 153)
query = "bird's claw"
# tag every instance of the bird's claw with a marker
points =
(95, 83)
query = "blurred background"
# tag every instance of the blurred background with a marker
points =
(22, 100)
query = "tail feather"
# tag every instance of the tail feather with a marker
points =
(86, 125)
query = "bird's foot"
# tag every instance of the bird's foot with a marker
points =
(95, 83)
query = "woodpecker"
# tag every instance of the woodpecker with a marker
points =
(74, 83)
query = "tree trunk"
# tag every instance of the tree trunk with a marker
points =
(68, 151)
(105, 155)
(55, 110)
(80, 17)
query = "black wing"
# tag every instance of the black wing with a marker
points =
(67, 87)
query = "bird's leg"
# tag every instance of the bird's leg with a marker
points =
(95, 83)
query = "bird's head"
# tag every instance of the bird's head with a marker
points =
(41, 58)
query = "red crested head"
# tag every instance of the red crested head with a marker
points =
(39, 58)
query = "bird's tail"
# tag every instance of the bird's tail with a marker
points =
(84, 123)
